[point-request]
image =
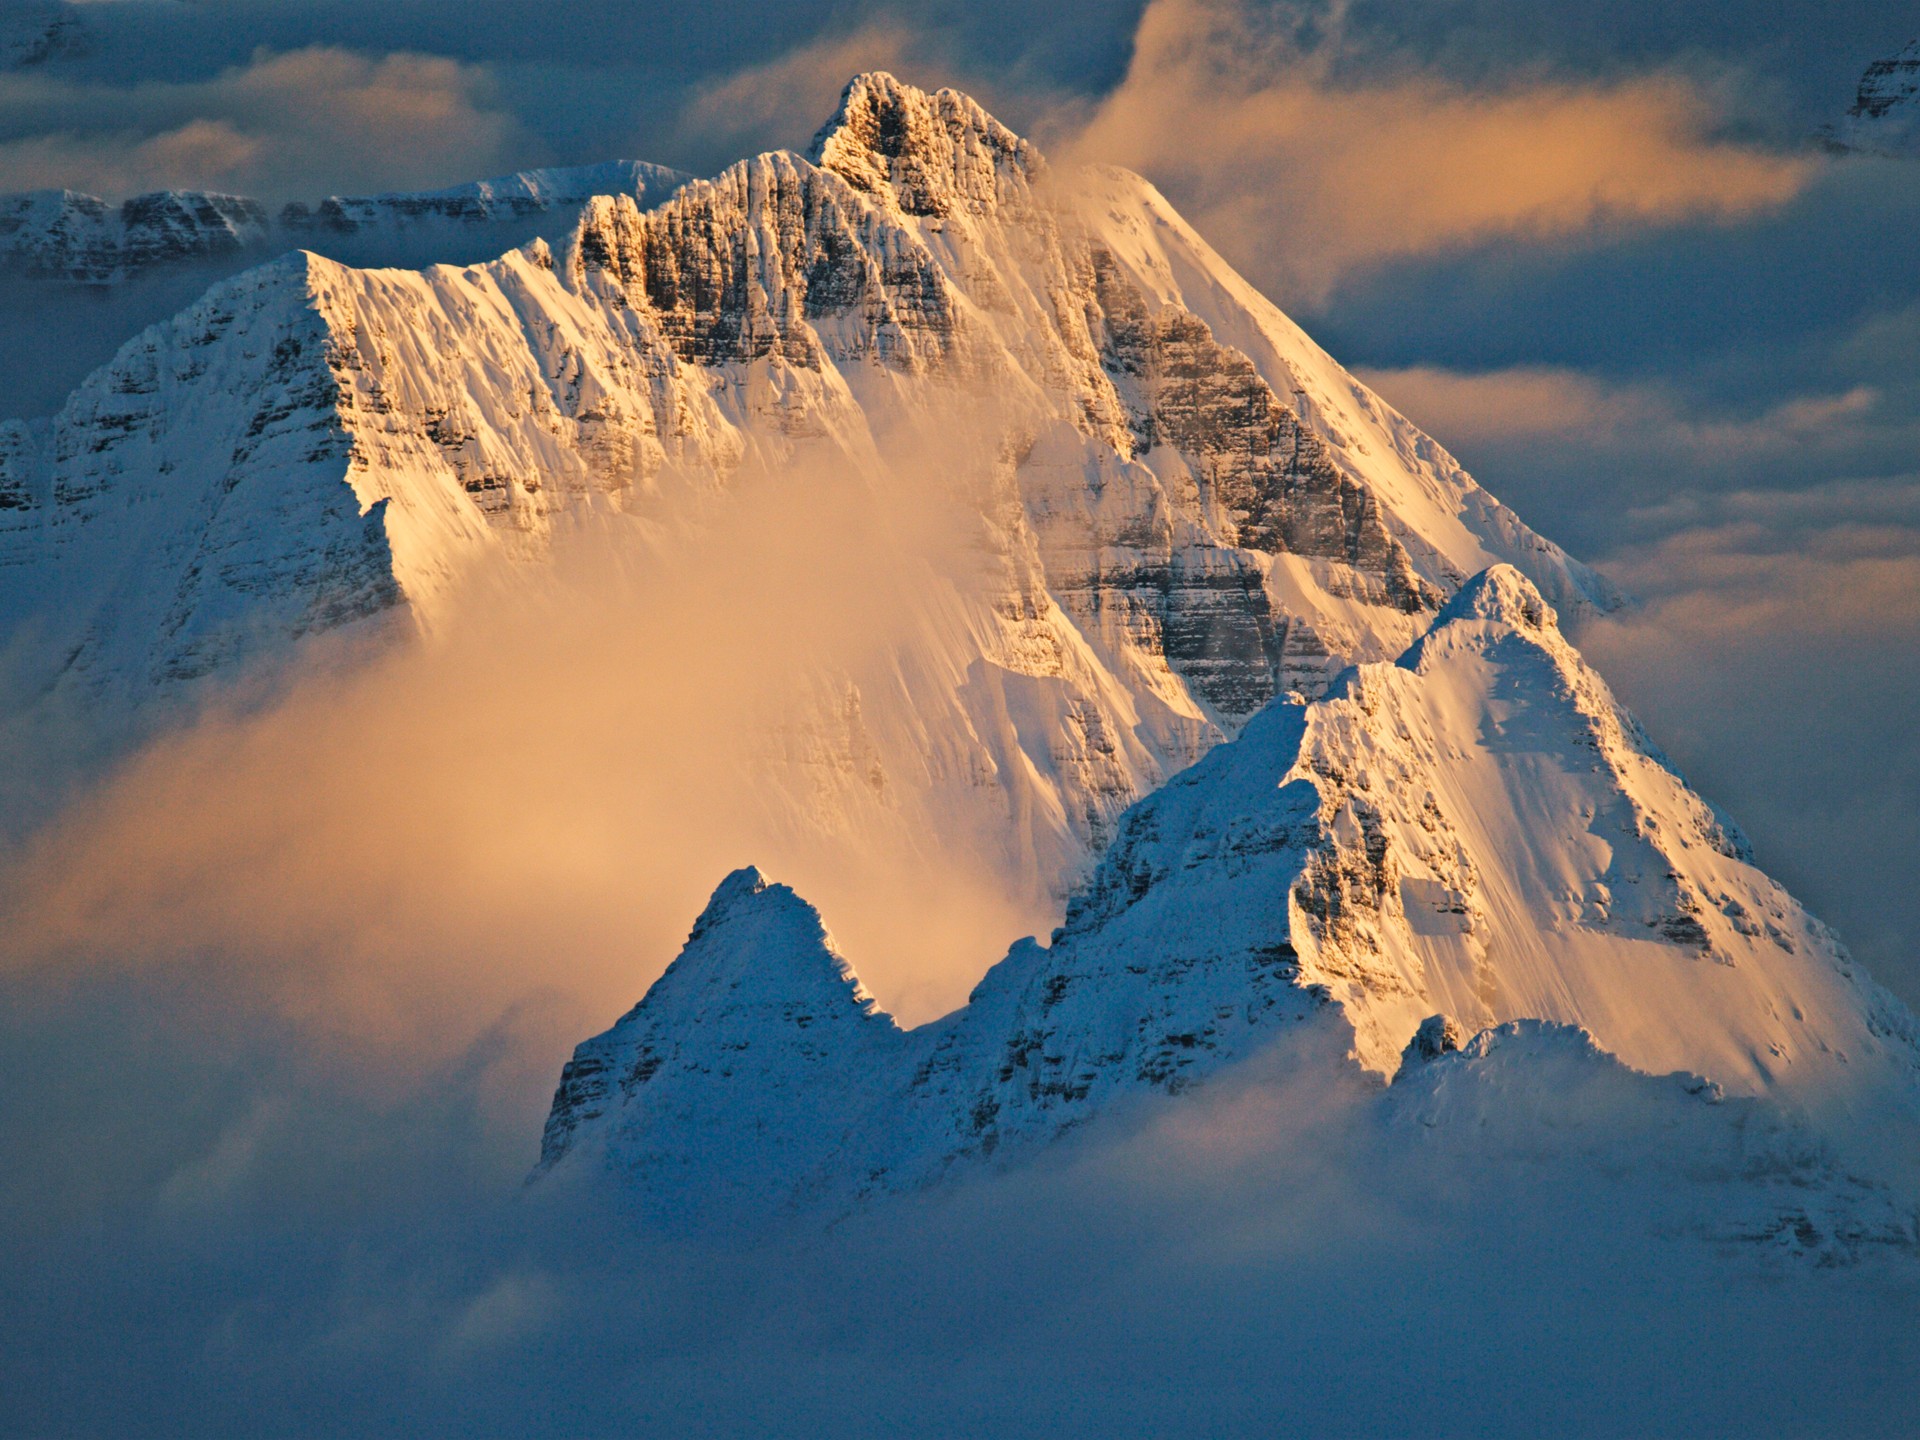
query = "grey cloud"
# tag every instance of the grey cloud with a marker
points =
(318, 119)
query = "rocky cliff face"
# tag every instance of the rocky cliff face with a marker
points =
(1471, 837)
(1189, 508)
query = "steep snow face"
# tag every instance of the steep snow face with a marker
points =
(759, 1003)
(1885, 116)
(1473, 836)
(1502, 841)
(1192, 508)
(195, 496)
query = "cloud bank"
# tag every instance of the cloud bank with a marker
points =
(1302, 176)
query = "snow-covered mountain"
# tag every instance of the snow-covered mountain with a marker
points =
(65, 235)
(1407, 828)
(1475, 838)
(1885, 116)
(1184, 507)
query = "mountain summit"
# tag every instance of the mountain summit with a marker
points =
(1884, 118)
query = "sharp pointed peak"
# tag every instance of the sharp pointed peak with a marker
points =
(931, 150)
(739, 887)
(1500, 593)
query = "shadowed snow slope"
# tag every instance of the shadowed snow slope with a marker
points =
(1476, 831)
(1172, 506)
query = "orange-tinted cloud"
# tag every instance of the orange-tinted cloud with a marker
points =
(1643, 424)
(531, 807)
(1301, 178)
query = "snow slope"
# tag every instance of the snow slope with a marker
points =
(1474, 836)
(1185, 507)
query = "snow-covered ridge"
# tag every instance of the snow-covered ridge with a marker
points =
(66, 236)
(82, 239)
(1186, 507)
(479, 202)
(1477, 833)
(1884, 118)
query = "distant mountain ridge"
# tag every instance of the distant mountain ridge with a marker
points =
(1884, 118)
(79, 239)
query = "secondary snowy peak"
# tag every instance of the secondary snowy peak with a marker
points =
(758, 1003)
(1503, 596)
(1500, 840)
(1885, 116)
(1473, 836)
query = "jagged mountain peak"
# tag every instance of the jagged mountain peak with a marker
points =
(739, 887)
(930, 152)
(1501, 594)
(760, 1001)
(767, 945)
(757, 944)
(1184, 507)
